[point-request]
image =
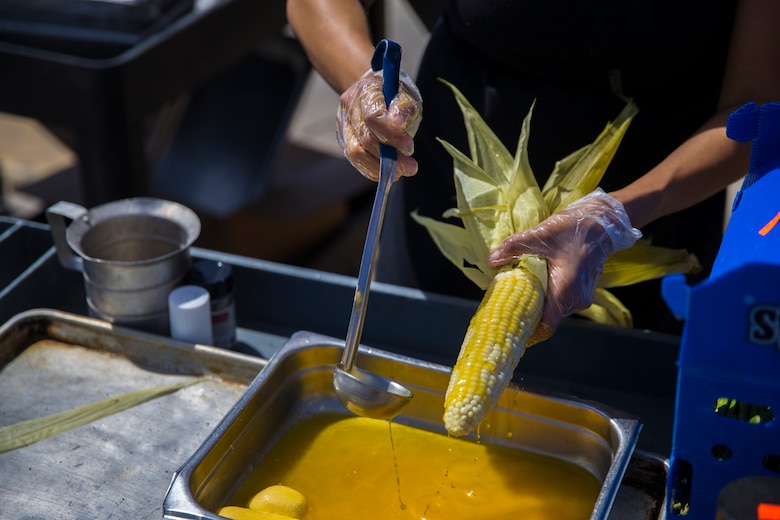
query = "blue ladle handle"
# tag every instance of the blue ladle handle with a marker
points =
(387, 58)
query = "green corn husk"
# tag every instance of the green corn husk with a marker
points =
(498, 195)
(581, 172)
(29, 432)
(631, 266)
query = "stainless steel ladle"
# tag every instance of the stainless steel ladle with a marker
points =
(362, 392)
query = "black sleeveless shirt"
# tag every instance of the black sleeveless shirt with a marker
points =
(651, 42)
(504, 55)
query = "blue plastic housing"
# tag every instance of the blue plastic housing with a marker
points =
(730, 349)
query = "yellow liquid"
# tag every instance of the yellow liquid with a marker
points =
(352, 467)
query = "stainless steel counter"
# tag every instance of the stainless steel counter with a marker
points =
(630, 370)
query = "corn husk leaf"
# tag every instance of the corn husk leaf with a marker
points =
(581, 172)
(481, 207)
(537, 266)
(24, 433)
(455, 244)
(644, 261)
(608, 310)
(498, 195)
(487, 151)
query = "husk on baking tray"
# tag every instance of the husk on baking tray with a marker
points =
(118, 466)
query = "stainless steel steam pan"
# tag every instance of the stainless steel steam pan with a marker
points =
(297, 383)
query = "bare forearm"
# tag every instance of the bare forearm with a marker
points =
(702, 166)
(336, 37)
(709, 161)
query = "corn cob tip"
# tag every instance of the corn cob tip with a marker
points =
(463, 417)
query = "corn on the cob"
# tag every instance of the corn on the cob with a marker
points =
(497, 196)
(492, 348)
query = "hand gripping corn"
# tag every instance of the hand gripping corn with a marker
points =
(498, 196)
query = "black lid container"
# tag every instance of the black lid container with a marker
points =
(217, 278)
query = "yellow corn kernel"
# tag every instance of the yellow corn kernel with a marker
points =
(494, 343)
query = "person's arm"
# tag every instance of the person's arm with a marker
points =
(335, 36)
(709, 161)
(337, 40)
(577, 240)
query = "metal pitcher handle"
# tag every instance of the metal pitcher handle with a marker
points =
(56, 216)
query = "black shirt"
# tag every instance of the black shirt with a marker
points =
(504, 55)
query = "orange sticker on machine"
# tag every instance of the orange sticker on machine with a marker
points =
(768, 511)
(769, 225)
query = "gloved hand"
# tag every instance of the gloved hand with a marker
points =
(576, 242)
(364, 122)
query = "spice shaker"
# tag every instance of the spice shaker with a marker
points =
(189, 311)
(217, 278)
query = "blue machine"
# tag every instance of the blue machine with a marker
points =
(727, 418)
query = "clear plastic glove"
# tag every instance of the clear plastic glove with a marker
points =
(576, 243)
(364, 122)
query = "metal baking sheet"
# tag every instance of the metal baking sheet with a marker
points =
(120, 466)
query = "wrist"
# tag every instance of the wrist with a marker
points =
(611, 215)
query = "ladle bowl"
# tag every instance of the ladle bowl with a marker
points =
(370, 395)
